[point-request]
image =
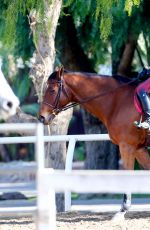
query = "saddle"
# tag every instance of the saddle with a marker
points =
(136, 79)
(126, 80)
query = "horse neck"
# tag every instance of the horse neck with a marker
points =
(83, 87)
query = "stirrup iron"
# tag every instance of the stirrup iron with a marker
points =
(139, 124)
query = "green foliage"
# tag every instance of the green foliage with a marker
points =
(74, 196)
(22, 87)
(11, 11)
(106, 23)
(79, 11)
(104, 13)
(101, 10)
(31, 108)
(129, 5)
(136, 24)
(10, 14)
(20, 82)
(79, 153)
(104, 16)
(67, 3)
(24, 46)
(99, 23)
(88, 32)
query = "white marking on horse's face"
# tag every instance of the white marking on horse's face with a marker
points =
(8, 100)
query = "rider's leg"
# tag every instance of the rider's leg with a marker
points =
(145, 102)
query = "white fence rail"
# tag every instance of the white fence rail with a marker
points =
(72, 139)
(50, 181)
(104, 181)
(38, 139)
(14, 187)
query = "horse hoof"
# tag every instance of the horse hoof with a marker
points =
(119, 216)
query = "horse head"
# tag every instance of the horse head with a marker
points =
(56, 97)
(8, 100)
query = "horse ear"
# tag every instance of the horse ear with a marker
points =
(56, 68)
(61, 71)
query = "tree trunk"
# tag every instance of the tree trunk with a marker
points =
(4, 154)
(44, 61)
(72, 55)
(44, 40)
(123, 51)
(99, 155)
(124, 67)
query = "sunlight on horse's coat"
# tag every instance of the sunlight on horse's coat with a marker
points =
(8, 101)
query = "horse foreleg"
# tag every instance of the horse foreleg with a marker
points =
(128, 159)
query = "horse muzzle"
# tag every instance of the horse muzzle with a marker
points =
(41, 119)
(46, 120)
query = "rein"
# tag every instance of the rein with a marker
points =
(61, 88)
(104, 94)
(98, 95)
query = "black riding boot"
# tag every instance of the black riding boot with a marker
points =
(145, 102)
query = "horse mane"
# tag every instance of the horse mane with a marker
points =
(121, 79)
(88, 74)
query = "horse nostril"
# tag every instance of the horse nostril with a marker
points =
(9, 104)
(41, 119)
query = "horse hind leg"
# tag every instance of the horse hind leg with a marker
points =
(126, 204)
(143, 158)
(128, 159)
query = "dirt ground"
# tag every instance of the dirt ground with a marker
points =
(84, 221)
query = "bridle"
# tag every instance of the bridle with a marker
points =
(61, 89)
(55, 106)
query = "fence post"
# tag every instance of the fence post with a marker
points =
(46, 208)
(68, 168)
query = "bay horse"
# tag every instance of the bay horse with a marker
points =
(108, 99)
(8, 100)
